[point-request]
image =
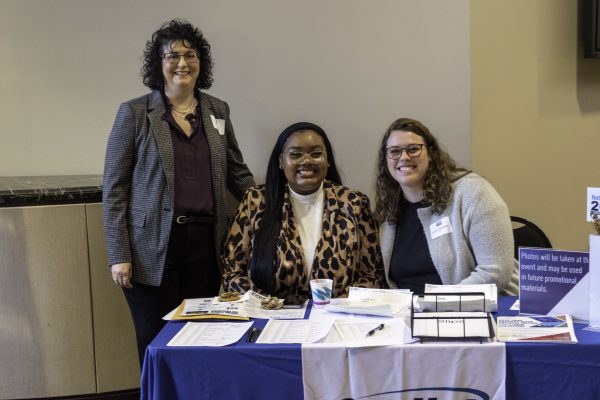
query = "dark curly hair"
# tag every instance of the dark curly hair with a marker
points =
(169, 31)
(437, 186)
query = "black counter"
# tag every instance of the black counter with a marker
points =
(18, 191)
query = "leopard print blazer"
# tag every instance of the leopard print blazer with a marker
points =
(348, 251)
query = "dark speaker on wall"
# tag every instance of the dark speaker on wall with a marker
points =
(590, 28)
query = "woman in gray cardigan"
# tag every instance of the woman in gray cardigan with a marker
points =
(440, 223)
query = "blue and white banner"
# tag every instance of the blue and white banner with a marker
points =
(444, 371)
(554, 282)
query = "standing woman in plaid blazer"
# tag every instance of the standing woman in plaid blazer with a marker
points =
(170, 158)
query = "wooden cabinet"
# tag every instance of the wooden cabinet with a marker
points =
(117, 365)
(66, 329)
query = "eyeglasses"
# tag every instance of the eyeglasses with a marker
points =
(191, 57)
(299, 156)
(412, 150)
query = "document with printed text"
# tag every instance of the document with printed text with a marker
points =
(294, 331)
(209, 333)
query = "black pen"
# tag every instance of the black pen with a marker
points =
(253, 334)
(378, 328)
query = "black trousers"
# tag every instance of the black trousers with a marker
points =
(191, 271)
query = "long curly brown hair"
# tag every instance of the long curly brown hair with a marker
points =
(437, 186)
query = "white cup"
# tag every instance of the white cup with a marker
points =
(321, 292)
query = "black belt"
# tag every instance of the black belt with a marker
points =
(192, 219)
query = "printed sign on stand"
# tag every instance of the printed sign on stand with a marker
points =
(554, 282)
(593, 202)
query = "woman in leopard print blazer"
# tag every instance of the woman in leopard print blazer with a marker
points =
(302, 224)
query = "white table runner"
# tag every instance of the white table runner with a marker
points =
(443, 371)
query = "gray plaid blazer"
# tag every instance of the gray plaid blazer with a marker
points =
(138, 188)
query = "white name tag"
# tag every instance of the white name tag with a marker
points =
(219, 124)
(440, 228)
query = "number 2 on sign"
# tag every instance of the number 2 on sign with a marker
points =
(593, 202)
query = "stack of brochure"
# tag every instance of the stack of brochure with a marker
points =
(193, 309)
(537, 328)
(248, 306)
(487, 302)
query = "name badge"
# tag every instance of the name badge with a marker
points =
(440, 228)
(219, 124)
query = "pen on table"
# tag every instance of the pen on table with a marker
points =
(378, 328)
(253, 334)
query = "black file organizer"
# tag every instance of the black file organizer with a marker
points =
(460, 308)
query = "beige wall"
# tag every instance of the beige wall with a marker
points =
(352, 66)
(535, 112)
(346, 64)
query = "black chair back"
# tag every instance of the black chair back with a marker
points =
(529, 235)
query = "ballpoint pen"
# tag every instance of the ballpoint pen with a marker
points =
(378, 328)
(253, 335)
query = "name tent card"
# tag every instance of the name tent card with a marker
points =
(554, 282)
(593, 202)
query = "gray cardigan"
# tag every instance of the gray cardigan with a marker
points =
(480, 247)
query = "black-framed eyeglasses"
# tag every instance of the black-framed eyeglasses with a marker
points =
(299, 156)
(412, 150)
(190, 57)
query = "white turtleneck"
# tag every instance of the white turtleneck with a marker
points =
(308, 211)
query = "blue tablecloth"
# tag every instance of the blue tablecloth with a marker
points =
(552, 371)
(249, 371)
(239, 371)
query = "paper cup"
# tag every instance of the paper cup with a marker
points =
(321, 291)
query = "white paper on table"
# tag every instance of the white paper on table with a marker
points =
(209, 333)
(366, 308)
(451, 324)
(294, 331)
(192, 305)
(451, 303)
(354, 332)
(401, 296)
(283, 313)
(378, 302)
(321, 314)
(206, 306)
(515, 306)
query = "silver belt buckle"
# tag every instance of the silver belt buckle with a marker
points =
(182, 220)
